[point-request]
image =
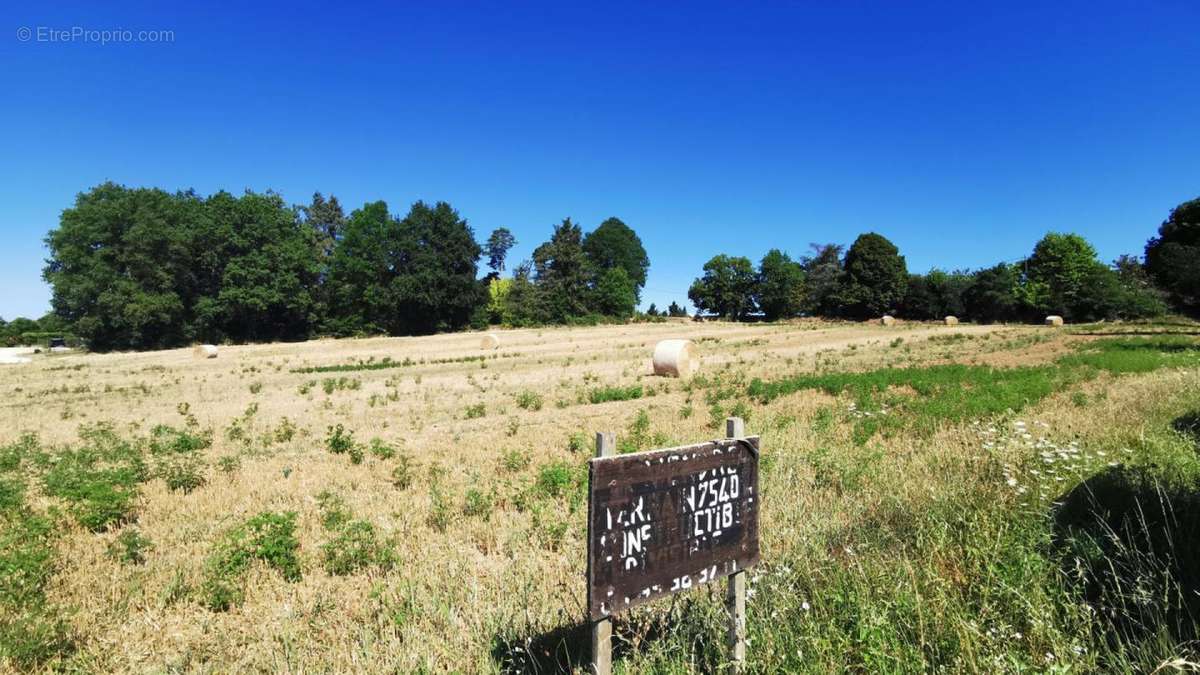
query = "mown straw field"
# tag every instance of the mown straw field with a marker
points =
(417, 504)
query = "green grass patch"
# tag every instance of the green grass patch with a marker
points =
(606, 394)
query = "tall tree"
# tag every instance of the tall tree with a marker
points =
(497, 247)
(261, 258)
(822, 276)
(615, 294)
(405, 276)
(726, 289)
(994, 295)
(1059, 274)
(874, 279)
(327, 220)
(436, 288)
(121, 266)
(562, 273)
(1171, 256)
(780, 289)
(615, 244)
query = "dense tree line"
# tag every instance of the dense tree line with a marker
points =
(1062, 275)
(144, 268)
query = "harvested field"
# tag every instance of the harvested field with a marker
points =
(438, 517)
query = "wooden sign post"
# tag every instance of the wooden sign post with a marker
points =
(664, 521)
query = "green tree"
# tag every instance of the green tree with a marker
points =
(522, 306)
(652, 310)
(676, 310)
(615, 293)
(615, 244)
(726, 289)
(326, 220)
(1139, 296)
(822, 278)
(1057, 275)
(562, 274)
(497, 247)
(363, 265)
(780, 289)
(1171, 257)
(935, 295)
(405, 276)
(994, 295)
(437, 288)
(874, 279)
(260, 274)
(121, 266)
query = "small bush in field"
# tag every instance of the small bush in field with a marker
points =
(183, 474)
(478, 503)
(129, 548)
(402, 474)
(529, 400)
(356, 547)
(269, 537)
(476, 411)
(381, 450)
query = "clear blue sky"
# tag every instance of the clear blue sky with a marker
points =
(962, 131)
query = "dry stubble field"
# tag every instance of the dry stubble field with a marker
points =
(483, 532)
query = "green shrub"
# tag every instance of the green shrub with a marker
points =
(268, 537)
(356, 547)
(338, 440)
(381, 450)
(606, 394)
(183, 474)
(402, 474)
(334, 512)
(529, 400)
(578, 442)
(515, 459)
(129, 548)
(478, 503)
(476, 411)
(229, 463)
(556, 479)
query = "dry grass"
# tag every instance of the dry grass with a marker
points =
(464, 581)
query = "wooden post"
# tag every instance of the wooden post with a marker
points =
(606, 445)
(735, 590)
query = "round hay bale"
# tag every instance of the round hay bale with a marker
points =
(490, 341)
(1054, 320)
(205, 352)
(675, 358)
(951, 320)
(887, 320)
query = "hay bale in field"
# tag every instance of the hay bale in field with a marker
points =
(205, 352)
(1054, 320)
(951, 320)
(490, 341)
(887, 320)
(675, 358)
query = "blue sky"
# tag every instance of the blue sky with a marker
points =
(962, 131)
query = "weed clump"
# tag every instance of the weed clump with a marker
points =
(130, 547)
(356, 547)
(269, 537)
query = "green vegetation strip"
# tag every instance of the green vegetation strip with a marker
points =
(960, 392)
(388, 362)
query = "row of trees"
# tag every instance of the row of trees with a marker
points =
(1061, 276)
(143, 268)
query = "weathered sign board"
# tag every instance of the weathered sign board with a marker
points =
(664, 521)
